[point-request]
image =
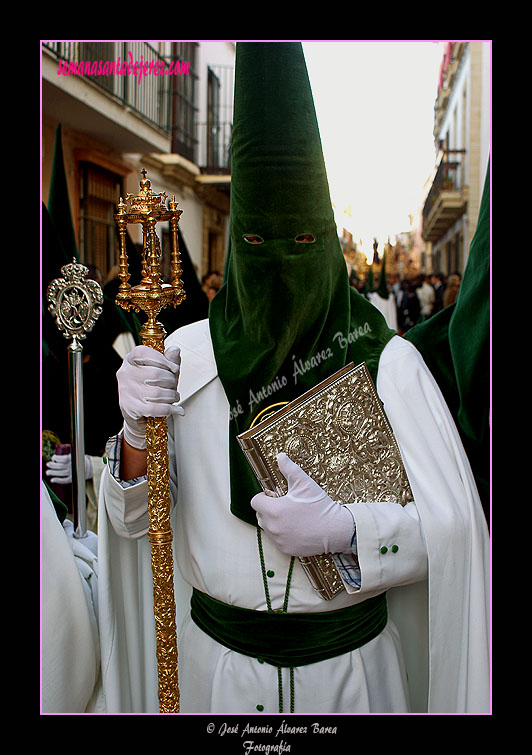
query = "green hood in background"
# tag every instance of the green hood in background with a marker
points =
(455, 345)
(286, 317)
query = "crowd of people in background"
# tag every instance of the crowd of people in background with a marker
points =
(417, 298)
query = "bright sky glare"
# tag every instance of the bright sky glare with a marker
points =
(375, 107)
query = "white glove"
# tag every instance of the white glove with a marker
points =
(147, 387)
(305, 521)
(89, 540)
(61, 469)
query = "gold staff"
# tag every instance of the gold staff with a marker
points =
(151, 295)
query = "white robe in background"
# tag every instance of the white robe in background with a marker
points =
(443, 553)
(71, 681)
(388, 307)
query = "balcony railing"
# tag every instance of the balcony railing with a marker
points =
(447, 198)
(148, 96)
(215, 134)
(217, 141)
(167, 102)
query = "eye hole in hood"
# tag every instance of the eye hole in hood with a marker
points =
(303, 238)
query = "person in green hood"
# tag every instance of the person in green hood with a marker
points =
(253, 635)
(384, 299)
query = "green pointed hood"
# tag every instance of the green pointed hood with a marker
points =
(370, 281)
(59, 202)
(382, 288)
(455, 344)
(286, 317)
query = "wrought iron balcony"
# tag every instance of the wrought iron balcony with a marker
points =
(148, 96)
(214, 135)
(446, 201)
(216, 139)
(167, 102)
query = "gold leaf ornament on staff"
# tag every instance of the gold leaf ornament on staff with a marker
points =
(150, 296)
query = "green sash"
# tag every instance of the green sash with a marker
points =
(289, 639)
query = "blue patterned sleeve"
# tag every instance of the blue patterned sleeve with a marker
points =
(348, 566)
(112, 456)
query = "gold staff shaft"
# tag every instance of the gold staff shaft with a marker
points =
(160, 537)
(151, 296)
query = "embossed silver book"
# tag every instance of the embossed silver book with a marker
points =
(340, 436)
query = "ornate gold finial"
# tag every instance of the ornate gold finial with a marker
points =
(152, 294)
(146, 201)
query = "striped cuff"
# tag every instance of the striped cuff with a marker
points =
(348, 566)
(112, 452)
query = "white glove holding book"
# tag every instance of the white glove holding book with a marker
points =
(305, 521)
(147, 387)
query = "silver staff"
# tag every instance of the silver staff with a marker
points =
(76, 304)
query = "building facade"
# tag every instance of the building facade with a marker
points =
(462, 133)
(163, 106)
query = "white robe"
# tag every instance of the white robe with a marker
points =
(71, 681)
(387, 307)
(218, 554)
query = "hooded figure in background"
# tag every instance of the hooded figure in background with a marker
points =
(383, 300)
(409, 631)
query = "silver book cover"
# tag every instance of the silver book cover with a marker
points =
(338, 433)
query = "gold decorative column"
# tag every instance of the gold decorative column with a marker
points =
(151, 295)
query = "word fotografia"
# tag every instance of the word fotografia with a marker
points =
(284, 729)
(123, 67)
(250, 746)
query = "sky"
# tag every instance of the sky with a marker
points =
(375, 107)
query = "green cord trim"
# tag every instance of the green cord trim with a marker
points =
(283, 610)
